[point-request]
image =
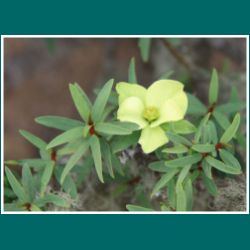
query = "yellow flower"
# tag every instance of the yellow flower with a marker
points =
(164, 101)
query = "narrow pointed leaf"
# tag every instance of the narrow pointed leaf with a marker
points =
(16, 186)
(28, 182)
(183, 127)
(74, 159)
(231, 130)
(207, 169)
(58, 122)
(178, 139)
(203, 122)
(183, 174)
(144, 45)
(37, 142)
(112, 129)
(131, 72)
(229, 159)
(213, 88)
(80, 102)
(46, 177)
(67, 136)
(106, 152)
(183, 161)
(178, 149)
(221, 119)
(222, 166)
(96, 153)
(231, 107)
(101, 101)
(181, 201)
(188, 188)
(203, 148)
(158, 166)
(164, 180)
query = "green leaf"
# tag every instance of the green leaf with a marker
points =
(106, 152)
(80, 101)
(69, 186)
(120, 143)
(183, 127)
(183, 161)
(101, 101)
(133, 208)
(210, 185)
(171, 193)
(46, 176)
(203, 122)
(229, 159)
(195, 106)
(112, 128)
(67, 136)
(131, 72)
(212, 132)
(37, 142)
(164, 180)
(36, 163)
(70, 148)
(158, 166)
(231, 130)
(58, 122)
(181, 201)
(207, 169)
(52, 198)
(231, 107)
(221, 119)
(213, 88)
(178, 139)
(183, 174)
(16, 186)
(117, 164)
(83, 94)
(222, 166)
(144, 45)
(96, 153)
(28, 182)
(178, 149)
(74, 159)
(188, 188)
(203, 148)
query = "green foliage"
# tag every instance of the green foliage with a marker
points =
(132, 72)
(144, 45)
(214, 88)
(101, 101)
(204, 141)
(58, 122)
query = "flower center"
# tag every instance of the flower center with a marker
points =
(151, 114)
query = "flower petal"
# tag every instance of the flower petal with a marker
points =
(126, 90)
(160, 91)
(131, 110)
(152, 138)
(173, 109)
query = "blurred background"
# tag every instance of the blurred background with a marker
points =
(37, 72)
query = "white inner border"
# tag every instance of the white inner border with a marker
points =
(122, 36)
